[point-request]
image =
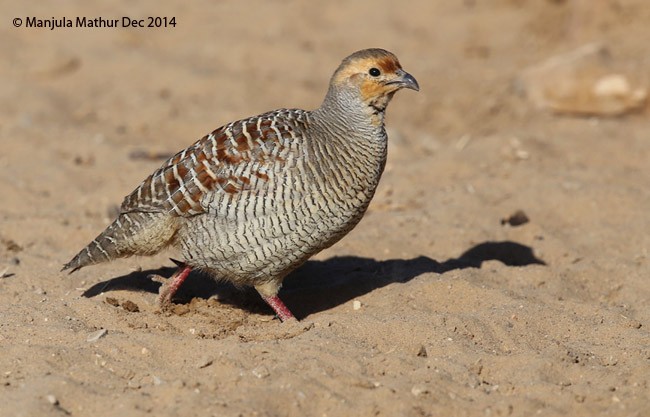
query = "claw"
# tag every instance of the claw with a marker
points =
(178, 263)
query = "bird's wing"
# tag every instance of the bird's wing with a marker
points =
(231, 159)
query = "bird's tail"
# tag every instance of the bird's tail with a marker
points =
(134, 233)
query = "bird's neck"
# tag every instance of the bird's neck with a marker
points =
(351, 117)
(354, 135)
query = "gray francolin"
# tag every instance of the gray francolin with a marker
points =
(254, 199)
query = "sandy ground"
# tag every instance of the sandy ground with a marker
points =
(457, 313)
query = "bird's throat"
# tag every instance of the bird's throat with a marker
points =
(377, 109)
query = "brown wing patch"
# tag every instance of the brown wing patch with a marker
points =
(181, 203)
(214, 164)
(182, 170)
(175, 159)
(226, 157)
(230, 188)
(170, 180)
(205, 179)
(242, 143)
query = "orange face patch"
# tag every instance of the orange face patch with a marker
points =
(370, 87)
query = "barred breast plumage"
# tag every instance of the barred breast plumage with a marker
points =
(254, 199)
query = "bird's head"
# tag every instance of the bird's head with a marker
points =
(373, 75)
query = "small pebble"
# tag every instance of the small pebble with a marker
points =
(112, 301)
(423, 352)
(261, 372)
(52, 399)
(204, 362)
(84, 160)
(356, 305)
(516, 219)
(95, 336)
(130, 306)
(418, 390)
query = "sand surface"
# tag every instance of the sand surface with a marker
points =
(430, 307)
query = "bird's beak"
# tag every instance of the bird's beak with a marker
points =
(405, 80)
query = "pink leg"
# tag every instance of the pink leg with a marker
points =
(169, 287)
(278, 306)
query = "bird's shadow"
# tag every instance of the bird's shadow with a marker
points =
(321, 285)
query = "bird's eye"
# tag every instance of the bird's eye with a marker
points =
(374, 72)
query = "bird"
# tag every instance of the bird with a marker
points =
(254, 199)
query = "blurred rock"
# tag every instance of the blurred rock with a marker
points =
(517, 218)
(130, 306)
(584, 82)
(95, 336)
(10, 245)
(422, 353)
(204, 362)
(261, 372)
(112, 301)
(143, 154)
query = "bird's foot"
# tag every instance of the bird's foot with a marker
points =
(165, 293)
(283, 313)
(170, 286)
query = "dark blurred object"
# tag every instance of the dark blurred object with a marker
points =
(516, 219)
(141, 154)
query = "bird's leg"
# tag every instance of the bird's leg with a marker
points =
(171, 285)
(278, 306)
(268, 290)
